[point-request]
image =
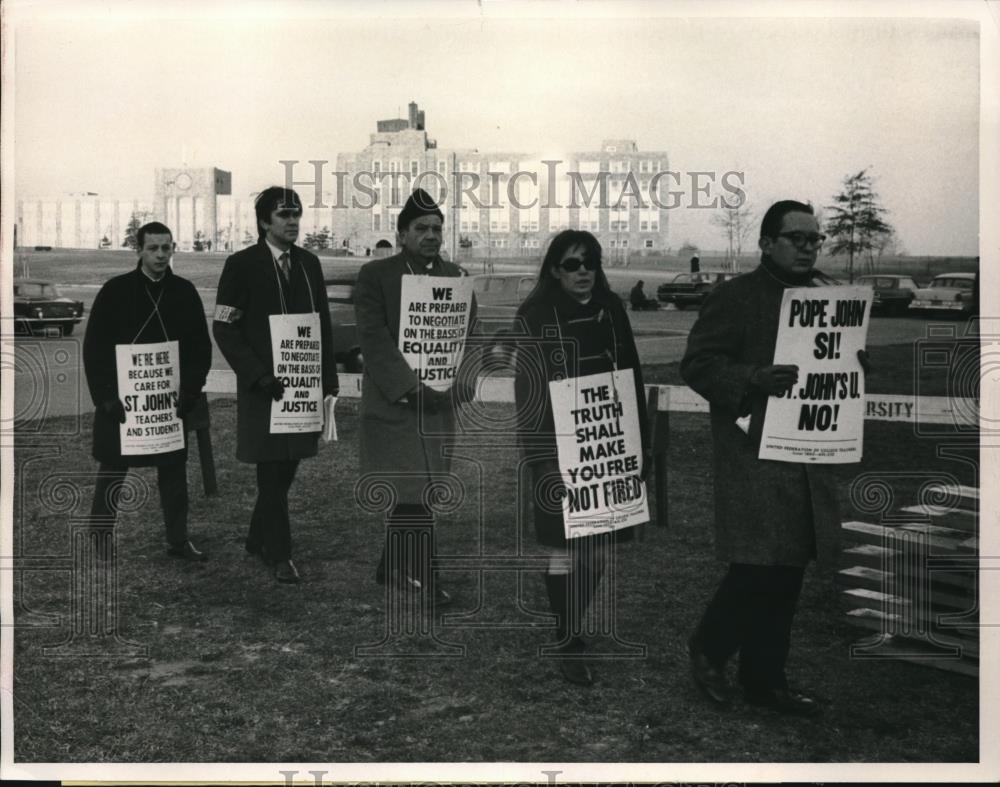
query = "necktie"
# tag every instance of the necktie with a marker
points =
(286, 265)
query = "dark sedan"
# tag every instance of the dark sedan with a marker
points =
(691, 289)
(346, 345)
(38, 306)
(892, 293)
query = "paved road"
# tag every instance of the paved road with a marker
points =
(49, 381)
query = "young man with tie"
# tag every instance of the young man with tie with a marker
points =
(260, 287)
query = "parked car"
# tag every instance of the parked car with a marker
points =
(947, 292)
(691, 289)
(346, 345)
(499, 294)
(892, 293)
(38, 305)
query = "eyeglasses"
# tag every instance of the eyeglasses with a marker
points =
(800, 240)
(572, 264)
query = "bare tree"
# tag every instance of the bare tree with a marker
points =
(737, 222)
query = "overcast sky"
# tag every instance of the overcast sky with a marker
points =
(797, 104)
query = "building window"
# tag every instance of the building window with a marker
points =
(499, 220)
(376, 222)
(643, 166)
(392, 219)
(498, 243)
(624, 243)
(649, 243)
(377, 169)
(613, 243)
(443, 167)
(414, 168)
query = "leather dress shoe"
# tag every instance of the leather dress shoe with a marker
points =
(410, 584)
(576, 671)
(789, 701)
(708, 678)
(285, 571)
(572, 666)
(187, 551)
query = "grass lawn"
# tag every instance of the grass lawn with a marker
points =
(241, 669)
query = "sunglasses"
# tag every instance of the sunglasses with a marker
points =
(572, 264)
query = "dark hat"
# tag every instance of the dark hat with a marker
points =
(420, 203)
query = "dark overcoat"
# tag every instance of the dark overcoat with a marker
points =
(766, 512)
(568, 339)
(123, 313)
(398, 442)
(249, 293)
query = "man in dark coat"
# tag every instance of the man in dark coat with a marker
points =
(771, 518)
(148, 305)
(638, 300)
(274, 277)
(404, 423)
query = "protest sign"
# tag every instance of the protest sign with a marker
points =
(148, 384)
(298, 362)
(433, 322)
(821, 419)
(599, 444)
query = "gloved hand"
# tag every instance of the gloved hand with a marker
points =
(115, 409)
(774, 379)
(186, 402)
(272, 386)
(865, 361)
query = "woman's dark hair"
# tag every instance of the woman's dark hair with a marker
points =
(770, 225)
(269, 200)
(558, 246)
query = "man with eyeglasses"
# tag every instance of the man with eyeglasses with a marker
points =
(771, 518)
(260, 286)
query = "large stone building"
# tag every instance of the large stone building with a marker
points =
(509, 203)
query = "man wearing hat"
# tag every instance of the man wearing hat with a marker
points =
(405, 422)
(275, 278)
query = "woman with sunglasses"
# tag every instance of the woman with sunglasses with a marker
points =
(579, 327)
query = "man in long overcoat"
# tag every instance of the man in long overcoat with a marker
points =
(272, 278)
(404, 423)
(771, 518)
(149, 305)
